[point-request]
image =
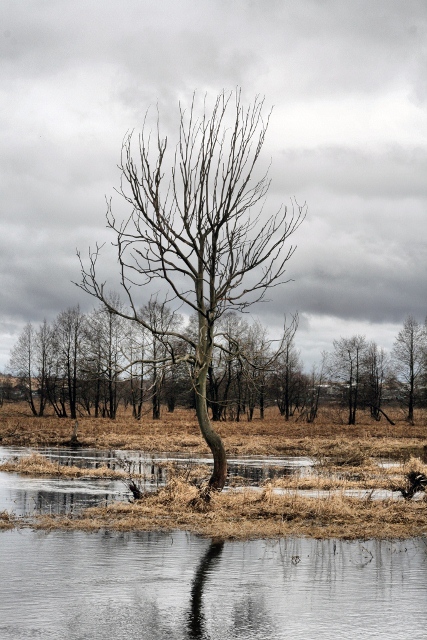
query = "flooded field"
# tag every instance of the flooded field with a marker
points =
(25, 495)
(29, 494)
(152, 586)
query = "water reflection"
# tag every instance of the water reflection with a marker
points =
(196, 618)
(152, 466)
(26, 496)
(153, 586)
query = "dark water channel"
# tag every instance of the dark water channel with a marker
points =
(151, 586)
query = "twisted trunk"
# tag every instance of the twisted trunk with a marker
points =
(212, 439)
(203, 362)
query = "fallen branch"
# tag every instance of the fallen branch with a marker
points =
(384, 414)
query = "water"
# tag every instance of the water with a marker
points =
(152, 586)
(26, 495)
(256, 468)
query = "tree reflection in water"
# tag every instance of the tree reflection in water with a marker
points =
(196, 618)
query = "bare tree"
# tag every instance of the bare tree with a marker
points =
(162, 320)
(347, 365)
(225, 389)
(68, 335)
(104, 357)
(409, 357)
(193, 227)
(255, 354)
(30, 361)
(289, 381)
(376, 367)
(314, 388)
(135, 351)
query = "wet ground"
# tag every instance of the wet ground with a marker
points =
(25, 495)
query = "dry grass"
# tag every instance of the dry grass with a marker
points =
(7, 520)
(247, 514)
(38, 465)
(179, 431)
(324, 476)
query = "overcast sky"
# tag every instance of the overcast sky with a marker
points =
(348, 135)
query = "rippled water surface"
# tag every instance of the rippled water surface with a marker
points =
(26, 495)
(78, 586)
(152, 586)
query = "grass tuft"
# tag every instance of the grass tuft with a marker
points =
(248, 514)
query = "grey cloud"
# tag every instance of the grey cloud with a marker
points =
(392, 172)
(75, 76)
(317, 47)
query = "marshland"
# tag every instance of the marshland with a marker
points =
(324, 479)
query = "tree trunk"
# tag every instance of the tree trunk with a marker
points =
(155, 403)
(411, 399)
(212, 439)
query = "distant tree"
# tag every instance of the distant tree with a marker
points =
(314, 388)
(409, 357)
(104, 357)
(258, 361)
(289, 380)
(135, 348)
(93, 367)
(7, 390)
(30, 361)
(347, 366)
(68, 333)
(192, 228)
(176, 387)
(159, 351)
(226, 396)
(376, 367)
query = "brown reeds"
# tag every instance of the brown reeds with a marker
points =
(179, 431)
(345, 458)
(243, 513)
(247, 514)
(7, 520)
(37, 465)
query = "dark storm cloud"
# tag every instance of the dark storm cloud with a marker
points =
(348, 134)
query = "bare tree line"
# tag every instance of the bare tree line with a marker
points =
(89, 364)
